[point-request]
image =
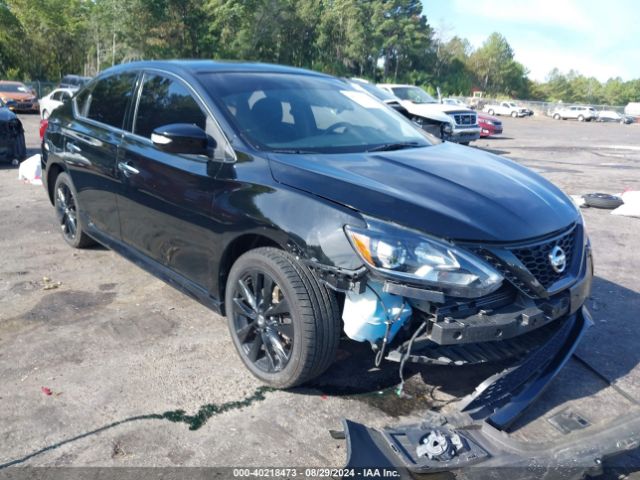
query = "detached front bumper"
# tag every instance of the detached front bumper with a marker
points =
(475, 440)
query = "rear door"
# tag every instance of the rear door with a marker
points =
(90, 149)
(166, 201)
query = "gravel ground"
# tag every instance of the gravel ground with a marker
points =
(117, 348)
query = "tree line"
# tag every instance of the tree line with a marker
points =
(382, 40)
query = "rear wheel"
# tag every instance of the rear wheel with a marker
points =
(581, 118)
(45, 114)
(65, 201)
(491, 111)
(556, 116)
(284, 323)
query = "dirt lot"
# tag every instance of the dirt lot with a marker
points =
(117, 348)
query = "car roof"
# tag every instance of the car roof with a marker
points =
(211, 66)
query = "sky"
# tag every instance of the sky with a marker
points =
(599, 38)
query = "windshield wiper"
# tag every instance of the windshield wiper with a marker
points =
(292, 150)
(387, 147)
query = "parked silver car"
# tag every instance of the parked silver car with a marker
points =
(577, 112)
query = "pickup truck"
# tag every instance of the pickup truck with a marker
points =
(449, 122)
(506, 108)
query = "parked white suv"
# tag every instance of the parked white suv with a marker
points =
(449, 122)
(577, 112)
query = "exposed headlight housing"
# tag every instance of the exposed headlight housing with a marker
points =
(418, 259)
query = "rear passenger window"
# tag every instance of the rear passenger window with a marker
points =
(107, 101)
(164, 101)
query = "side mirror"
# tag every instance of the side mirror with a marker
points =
(184, 138)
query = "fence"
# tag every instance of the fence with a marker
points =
(539, 108)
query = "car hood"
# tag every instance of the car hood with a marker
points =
(18, 96)
(431, 109)
(445, 190)
(491, 118)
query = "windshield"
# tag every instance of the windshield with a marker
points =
(302, 113)
(413, 94)
(13, 88)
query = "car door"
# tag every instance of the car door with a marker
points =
(90, 149)
(166, 201)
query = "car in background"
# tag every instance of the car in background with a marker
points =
(454, 101)
(12, 142)
(613, 116)
(582, 113)
(22, 97)
(506, 108)
(489, 125)
(53, 100)
(632, 109)
(73, 81)
(448, 122)
(384, 96)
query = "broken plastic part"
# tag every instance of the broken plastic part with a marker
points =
(477, 433)
(366, 315)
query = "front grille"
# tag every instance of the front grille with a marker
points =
(465, 119)
(536, 258)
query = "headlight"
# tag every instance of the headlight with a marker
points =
(415, 258)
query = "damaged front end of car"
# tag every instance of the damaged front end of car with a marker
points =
(430, 301)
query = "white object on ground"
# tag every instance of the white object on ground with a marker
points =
(30, 170)
(631, 205)
(578, 200)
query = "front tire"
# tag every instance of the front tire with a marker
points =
(65, 201)
(514, 114)
(491, 112)
(284, 323)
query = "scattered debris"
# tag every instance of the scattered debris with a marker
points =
(30, 171)
(46, 391)
(631, 205)
(578, 200)
(49, 284)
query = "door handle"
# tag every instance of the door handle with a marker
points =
(73, 148)
(127, 169)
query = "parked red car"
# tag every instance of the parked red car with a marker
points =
(489, 125)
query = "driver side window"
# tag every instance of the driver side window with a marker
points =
(164, 101)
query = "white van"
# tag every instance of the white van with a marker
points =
(633, 108)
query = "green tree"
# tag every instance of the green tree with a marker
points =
(495, 68)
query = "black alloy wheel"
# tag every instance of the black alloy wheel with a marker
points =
(65, 201)
(262, 321)
(283, 321)
(66, 212)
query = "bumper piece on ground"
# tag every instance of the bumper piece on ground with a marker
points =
(476, 437)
